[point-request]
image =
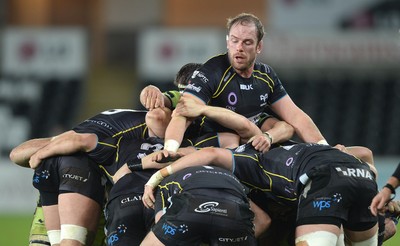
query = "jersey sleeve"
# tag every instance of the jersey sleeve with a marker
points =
(203, 83)
(278, 90)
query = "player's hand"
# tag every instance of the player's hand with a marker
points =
(165, 156)
(394, 207)
(35, 161)
(151, 97)
(148, 197)
(260, 142)
(341, 147)
(379, 201)
(188, 107)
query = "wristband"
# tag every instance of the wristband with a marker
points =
(268, 136)
(134, 166)
(155, 179)
(322, 142)
(171, 145)
(391, 188)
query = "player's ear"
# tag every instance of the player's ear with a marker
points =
(259, 46)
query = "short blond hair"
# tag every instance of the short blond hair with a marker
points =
(245, 18)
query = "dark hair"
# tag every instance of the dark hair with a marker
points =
(183, 75)
(245, 18)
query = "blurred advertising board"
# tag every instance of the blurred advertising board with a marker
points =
(163, 51)
(332, 49)
(45, 53)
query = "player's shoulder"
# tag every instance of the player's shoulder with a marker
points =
(263, 68)
(219, 61)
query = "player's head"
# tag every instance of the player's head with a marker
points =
(183, 75)
(247, 19)
(244, 42)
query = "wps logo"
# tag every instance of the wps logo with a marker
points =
(45, 174)
(170, 230)
(116, 236)
(326, 202)
(322, 204)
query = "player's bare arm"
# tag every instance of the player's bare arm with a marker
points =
(21, 154)
(176, 128)
(65, 144)
(304, 126)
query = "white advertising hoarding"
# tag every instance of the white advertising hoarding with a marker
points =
(163, 51)
(333, 49)
(53, 53)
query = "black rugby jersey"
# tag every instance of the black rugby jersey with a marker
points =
(115, 123)
(110, 126)
(200, 177)
(133, 150)
(276, 173)
(217, 84)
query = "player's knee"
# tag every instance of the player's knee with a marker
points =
(317, 238)
(370, 241)
(390, 229)
(74, 232)
(54, 237)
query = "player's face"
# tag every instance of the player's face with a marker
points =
(243, 48)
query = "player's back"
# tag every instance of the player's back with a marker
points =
(115, 123)
(110, 126)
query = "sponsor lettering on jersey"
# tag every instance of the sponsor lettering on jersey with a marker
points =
(168, 229)
(246, 87)
(100, 123)
(326, 202)
(200, 75)
(231, 108)
(232, 239)
(193, 88)
(355, 173)
(131, 199)
(74, 177)
(211, 207)
(116, 235)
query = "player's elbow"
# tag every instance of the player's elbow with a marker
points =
(86, 142)
(366, 155)
(13, 155)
